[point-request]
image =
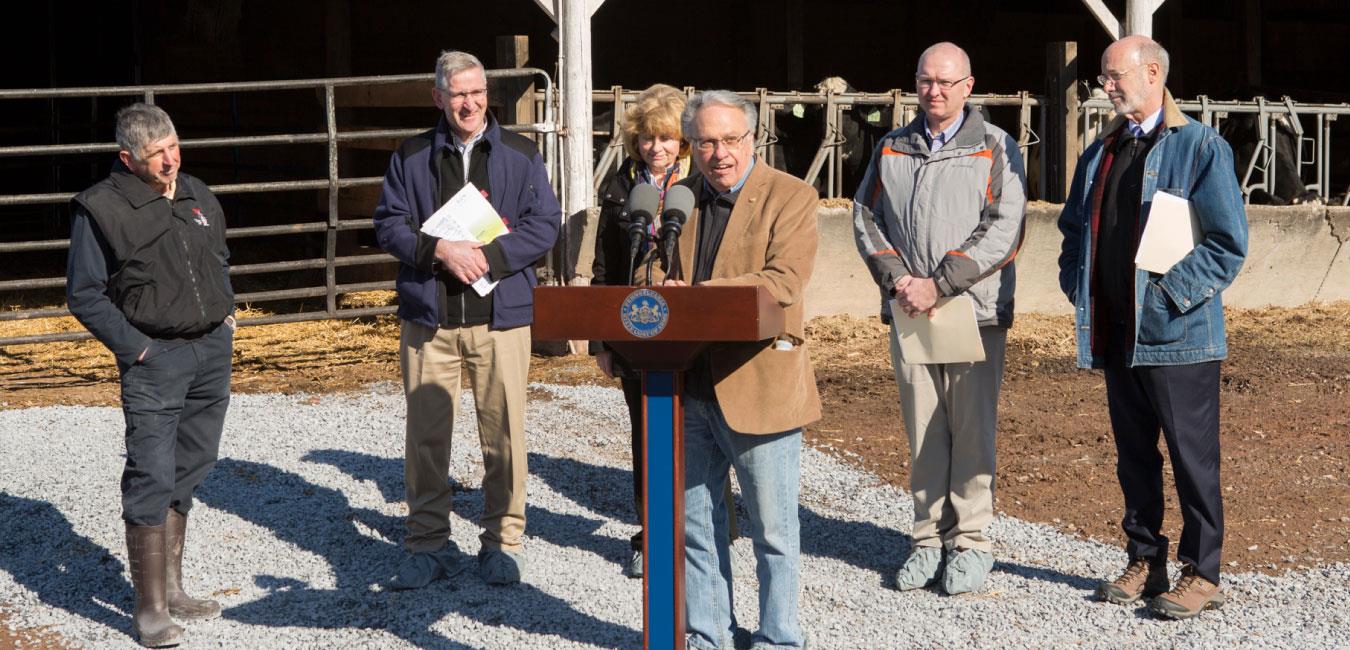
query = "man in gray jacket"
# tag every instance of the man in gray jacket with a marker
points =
(939, 214)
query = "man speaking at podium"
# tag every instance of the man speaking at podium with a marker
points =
(745, 403)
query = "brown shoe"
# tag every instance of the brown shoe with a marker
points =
(1143, 578)
(1191, 596)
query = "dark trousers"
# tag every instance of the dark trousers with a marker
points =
(632, 394)
(174, 403)
(1184, 402)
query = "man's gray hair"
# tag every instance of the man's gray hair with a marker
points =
(1151, 52)
(453, 62)
(716, 98)
(140, 125)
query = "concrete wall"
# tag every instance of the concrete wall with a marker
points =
(1296, 255)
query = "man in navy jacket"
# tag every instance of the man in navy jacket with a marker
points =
(446, 325)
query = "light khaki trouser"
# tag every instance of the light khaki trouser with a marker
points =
(950, 412)
(498, 364)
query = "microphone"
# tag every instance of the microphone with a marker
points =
(641, 205)
(679, 203)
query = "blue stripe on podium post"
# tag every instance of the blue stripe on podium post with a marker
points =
(661, 576)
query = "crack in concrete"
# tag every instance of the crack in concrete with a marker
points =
(1333, 219)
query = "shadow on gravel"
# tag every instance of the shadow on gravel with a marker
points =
(68, 571)
(322, 521)
(607, 491)
(1042, 574)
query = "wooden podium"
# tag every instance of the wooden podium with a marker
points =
(659, 330)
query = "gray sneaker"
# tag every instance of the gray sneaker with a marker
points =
(497, 567)
(418, 570)
(922, 569)
(966, 570)
(633, 568)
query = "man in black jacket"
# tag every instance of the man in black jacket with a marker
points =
(148, 277)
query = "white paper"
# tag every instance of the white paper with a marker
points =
(467, 216)
(951, 335)
(1170, 233)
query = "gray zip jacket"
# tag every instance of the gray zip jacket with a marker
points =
(954, 216)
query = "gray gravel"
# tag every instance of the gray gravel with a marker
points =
(302, 519)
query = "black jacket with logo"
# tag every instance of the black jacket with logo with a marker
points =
(144, 267)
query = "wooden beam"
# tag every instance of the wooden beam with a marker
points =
(552, 13)
(1139, 16)
(514, 95)
(1061, 120)
(1104, 16)
(575, 55)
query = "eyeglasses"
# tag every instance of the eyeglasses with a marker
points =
(459, 97)
(926, 83)
(710, 144)
(1114, 77)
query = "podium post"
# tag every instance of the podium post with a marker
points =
(660, 331)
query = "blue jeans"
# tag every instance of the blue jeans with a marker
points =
(768, 468)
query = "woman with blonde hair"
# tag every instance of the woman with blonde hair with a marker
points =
(657, 155)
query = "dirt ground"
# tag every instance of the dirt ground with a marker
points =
(1284, 423)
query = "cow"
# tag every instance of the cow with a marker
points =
(800, 128)
(1282, 181)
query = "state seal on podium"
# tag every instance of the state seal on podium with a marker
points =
(644, 313)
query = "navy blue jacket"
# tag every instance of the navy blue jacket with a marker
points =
(521, 194)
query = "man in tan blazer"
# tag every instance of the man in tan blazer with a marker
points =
(745, 403)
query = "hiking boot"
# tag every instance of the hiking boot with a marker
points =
(181, 605)
(150, 619)
(1192, 595)
(1143, 578)
(922, 569)
(966, 571)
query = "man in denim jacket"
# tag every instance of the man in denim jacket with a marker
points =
(1159, 337)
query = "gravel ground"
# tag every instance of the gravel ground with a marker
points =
(301, 520)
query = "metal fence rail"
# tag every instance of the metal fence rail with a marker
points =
(827, 160)
(332, 137)
(827, 165)
(1260, 166)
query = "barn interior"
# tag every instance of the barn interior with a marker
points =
(1224, 50)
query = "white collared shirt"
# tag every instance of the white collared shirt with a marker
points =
(1146, 127)
(465, 149)
(936, 141)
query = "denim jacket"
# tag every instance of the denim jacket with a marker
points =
(1178, 316)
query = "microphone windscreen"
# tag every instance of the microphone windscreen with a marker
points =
(643, 201)
(679, 203)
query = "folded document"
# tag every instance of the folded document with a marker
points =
(467, 216)
(950, 335)
(1170, 233)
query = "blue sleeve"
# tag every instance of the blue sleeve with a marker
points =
(533, 231)
(1217, 201)
(1071, 224)
(87, 293)
(397, 228)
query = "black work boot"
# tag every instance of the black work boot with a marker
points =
(145, 549)
(181, 605)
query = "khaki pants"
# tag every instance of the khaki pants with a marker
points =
(497, 364)
(950, 412)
